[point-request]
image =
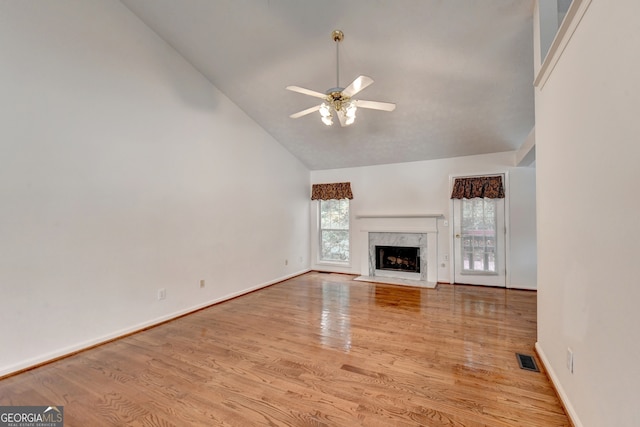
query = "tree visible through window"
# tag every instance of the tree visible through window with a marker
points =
(334, 230)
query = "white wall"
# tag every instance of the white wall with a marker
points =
(423, 187)
(122, 171)
(587, 155)
(523, 260)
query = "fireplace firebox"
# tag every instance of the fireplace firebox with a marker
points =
(398, 258)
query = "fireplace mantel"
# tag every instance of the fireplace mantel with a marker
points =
(417, 215)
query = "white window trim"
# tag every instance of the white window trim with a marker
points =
(318, 243)
(317, 263)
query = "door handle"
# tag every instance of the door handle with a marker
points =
(457, 236)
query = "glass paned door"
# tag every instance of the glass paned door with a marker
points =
(478, 236)
(479, 241)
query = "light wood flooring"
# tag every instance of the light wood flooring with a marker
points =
(316, 350)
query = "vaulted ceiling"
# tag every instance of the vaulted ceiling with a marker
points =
(460, 71)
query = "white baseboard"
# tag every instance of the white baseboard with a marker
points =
(67, 351)
(573, 416)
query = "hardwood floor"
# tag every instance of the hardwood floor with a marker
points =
(316, 350)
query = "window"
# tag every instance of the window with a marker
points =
(479, 235)
(334, 230)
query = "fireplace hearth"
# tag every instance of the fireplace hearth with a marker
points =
(398, 258)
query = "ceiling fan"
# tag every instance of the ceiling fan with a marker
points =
(339, 100)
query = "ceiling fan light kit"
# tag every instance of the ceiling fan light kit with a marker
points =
(338, 101)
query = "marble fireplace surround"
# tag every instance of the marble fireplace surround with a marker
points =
(418, 230)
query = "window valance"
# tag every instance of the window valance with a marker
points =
(338, 190)
(489, 187)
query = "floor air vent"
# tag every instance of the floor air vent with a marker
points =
(527, 362)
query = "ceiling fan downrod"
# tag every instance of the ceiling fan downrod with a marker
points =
(337, 37)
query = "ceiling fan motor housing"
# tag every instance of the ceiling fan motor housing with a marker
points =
(337, 99)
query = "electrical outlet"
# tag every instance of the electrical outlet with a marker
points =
(570, 360)
(202, 283)
(445, 223)
(162, 294)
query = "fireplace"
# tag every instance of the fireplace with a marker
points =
(415, 236)
(398, 255)
(398, 258)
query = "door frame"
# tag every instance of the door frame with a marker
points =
(507, 239)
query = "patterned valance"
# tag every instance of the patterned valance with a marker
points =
(489, 187)
(338, 190)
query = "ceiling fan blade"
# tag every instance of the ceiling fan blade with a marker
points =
(375, 105)
(305, 112)
(306, 91)
(357, 85)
